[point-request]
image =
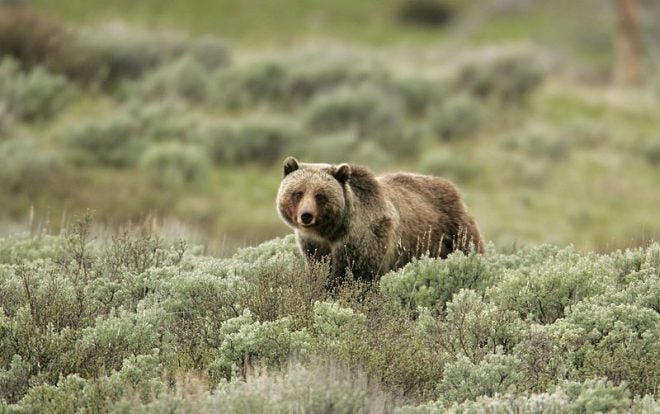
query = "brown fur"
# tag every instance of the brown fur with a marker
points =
(368, 225)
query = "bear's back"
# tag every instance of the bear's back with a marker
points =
(430, 207)
(407, 187)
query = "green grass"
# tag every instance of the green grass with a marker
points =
(597, 197)
(252, 21)
(598, 192)
(586, 181)
(558, 24)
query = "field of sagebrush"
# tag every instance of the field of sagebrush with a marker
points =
(137, 324)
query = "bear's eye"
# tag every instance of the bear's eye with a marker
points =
(297, 195)
(320, 198)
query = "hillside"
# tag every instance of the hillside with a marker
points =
(187, 131)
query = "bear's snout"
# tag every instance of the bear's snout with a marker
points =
(307, 218)
(307, 210)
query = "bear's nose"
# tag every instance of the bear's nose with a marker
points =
(306, 218)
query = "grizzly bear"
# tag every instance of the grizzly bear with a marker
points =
(368, 225)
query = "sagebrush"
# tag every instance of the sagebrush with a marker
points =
(94, 324)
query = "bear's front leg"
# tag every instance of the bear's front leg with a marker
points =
(357, 260)
(313, 250)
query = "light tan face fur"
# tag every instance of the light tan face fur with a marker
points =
(310, 199)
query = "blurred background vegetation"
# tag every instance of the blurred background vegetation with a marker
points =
(545, 113)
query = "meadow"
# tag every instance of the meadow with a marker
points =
(136, 124)
(141, 146)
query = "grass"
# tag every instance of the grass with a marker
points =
(596, 198)
(280, 23)
(558, 25)
(251, 22)
(577, 172)
(578, 195)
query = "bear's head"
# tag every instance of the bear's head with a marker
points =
(312, 197)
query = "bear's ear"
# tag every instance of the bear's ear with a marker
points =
(342, 173)
(289, 166)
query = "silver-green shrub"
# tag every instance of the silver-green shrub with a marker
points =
(419, 93)
(245, 341)
(504, 74)
(465, 380)
(128, 52)
(593, 396)
(184, 78)
(471, 327)
(331, 321)
(316, 387)
(174, 165)
(119, 141)
(292, 80)
(25, 248)
(212, 53)
(314, 71)
(370, 112)
(261, 140)
(113, 142)
(32, 96)
(613, 341)
(160, 121)
(431, 283)
(26, 167)
(121, 334)
(458, 117)
(543, 291)
(257, 84)
(141, 324)
(14, 381)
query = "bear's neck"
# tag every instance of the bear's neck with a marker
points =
(364, 186)
(362, 197)
(339, 228)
